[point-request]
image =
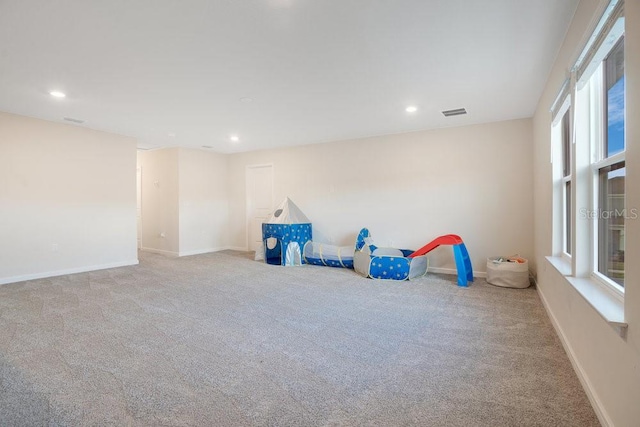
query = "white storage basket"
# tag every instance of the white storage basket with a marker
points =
(508, 274)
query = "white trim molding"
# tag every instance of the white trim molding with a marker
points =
(201, 251)
(160, 251)
(64, 272)
(454, 271)
(596, 404)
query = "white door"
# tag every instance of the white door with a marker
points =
(139, 205)
(259, 201)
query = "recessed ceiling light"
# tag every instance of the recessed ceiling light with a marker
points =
(234, 138)
(171, 135)
(246, 100)
(411, 109)
(57, 94)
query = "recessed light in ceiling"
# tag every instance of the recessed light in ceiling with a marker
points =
(234, 138)
(411, 109)
(171, 135)
(456, 112)
(57, 94)
(246, 100)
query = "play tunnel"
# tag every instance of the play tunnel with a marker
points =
(329, 255)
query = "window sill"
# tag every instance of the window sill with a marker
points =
(561, 264)
(607, 305)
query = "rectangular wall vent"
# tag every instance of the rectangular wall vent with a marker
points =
(71, 119)
(456, 112)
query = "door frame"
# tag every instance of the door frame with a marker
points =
(139, 244)
(247, 202)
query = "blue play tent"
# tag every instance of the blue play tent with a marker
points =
(284, 235)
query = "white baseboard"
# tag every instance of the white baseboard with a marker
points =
(454, 271)
(577, 367)
(160, 251)
(194, 252)
(237, 248)
(84, 269)
(201, 251)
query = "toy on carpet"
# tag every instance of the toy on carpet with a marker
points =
(328, 255)
(287, 240)
(460, 253)
(284, 234)
(386, 263)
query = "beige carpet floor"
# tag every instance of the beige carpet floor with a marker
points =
(221, 340)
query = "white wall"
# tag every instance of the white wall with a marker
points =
(184, 199)
(203, 209)
(160, 228)
(475, 181)
(608, 364)
(67, 199)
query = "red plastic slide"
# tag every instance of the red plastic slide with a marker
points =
(447, 239)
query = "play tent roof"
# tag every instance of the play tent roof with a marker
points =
(287, 213)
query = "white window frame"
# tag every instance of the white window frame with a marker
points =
(595, 250)
(560, 110)
(598, 128)
(581, 270)
(567, 228)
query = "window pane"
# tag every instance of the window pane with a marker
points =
(567, 217)
(614, 79)
(611, 222)
(566, 144)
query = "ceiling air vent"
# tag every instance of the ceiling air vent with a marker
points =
(72, 120)
(456, 112)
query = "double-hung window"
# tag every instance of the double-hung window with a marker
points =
(609, 170)
(600, 75)
(562, 148)
(588, 136)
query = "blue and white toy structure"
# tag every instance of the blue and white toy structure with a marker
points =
(376, 262)
(328, 255)
(287, 240)
(284, 235)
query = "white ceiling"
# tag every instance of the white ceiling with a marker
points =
(173, 73)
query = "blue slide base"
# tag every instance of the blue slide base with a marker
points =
(463, 264)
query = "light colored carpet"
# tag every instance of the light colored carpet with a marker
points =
(219, 339)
